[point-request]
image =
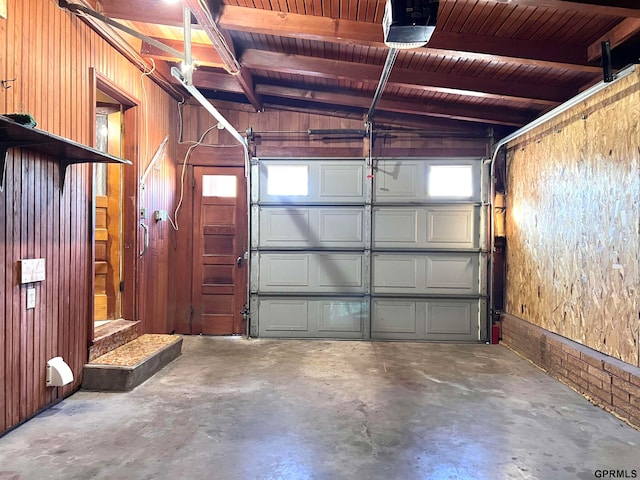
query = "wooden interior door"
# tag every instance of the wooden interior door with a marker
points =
(220, 232)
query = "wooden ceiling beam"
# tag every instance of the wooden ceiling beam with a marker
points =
(389, 119)
(313, 27)
(203, 54)
(145, 11)
(224, 47)
(222, 82)
(473, 47)
(622, 32)
(528, 94)
(511, 50)
(116, 39)
(393, 104)
(612, 8)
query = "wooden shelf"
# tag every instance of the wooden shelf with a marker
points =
(65, 151)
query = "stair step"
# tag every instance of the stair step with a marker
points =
(128, 366)
(112, 335)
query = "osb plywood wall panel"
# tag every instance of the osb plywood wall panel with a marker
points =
(573, 222)
(50, 53)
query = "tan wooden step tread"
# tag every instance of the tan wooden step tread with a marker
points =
(136, 351)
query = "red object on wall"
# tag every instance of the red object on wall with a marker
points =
(495, 333)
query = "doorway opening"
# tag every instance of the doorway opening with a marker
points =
(219, 272)
(108, 188)
(115, 131)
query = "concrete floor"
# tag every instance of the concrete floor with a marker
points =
(265, 409)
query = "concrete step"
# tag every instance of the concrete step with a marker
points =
(128, 366)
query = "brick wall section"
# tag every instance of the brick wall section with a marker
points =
(606, 381)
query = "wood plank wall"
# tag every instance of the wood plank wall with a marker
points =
(284, 134)
(39, 219)
(573, 210)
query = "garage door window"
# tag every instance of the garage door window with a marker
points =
(450, 181)
(288, 180)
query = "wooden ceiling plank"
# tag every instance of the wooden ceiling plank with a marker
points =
(612, 8)
(476, 47)
(618, 35)
(463, 15)
(394, 104)
(512, 50)
(315, 27)
(454, 84)
(300, 6)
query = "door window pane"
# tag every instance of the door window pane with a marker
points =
(219, 186)
(100, 169)
(451, 181)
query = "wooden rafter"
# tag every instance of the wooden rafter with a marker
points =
(528, 94)
(474, 47)
(612, 8)
(145, 11)
(427, 108)
(618, 35)
(310, 27)
(224, 47)
(386, 118)
(216, 81)
(455, 61)
(117, 41)
(203, 55)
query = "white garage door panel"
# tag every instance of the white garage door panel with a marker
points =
(395, 272)
(394, 317)
(425, 227)
(425, 319)
(426, 274)
(340, 316)
(399, 180)
(285, 315)
(400, 256)
(407, 180)
(396, 227)
(452, 273)
(341, 181)
(329, 181)
(311, 227)
(452, 227)
(308, 317)
(284, 271)
(452, 320)
(310, 272)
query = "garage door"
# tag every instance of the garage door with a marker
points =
(339, 253)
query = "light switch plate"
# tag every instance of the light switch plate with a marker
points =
(32, 270)
(31, 298)
(3, 8)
